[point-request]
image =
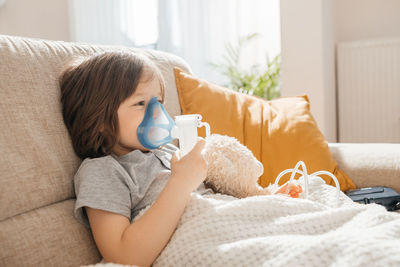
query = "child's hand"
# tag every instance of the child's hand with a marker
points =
(290, 189)
(191, 170)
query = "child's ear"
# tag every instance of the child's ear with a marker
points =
(101, 128)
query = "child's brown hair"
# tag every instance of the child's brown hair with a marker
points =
(92, 89)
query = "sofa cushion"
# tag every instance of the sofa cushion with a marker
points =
(37, 160)
(369, 164)
(279, 132)
(48, 236)
(37, 163)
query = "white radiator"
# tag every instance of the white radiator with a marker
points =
(368, 86)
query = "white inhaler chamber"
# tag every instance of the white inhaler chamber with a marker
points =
(186, 131)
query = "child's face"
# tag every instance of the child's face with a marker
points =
(131, 113)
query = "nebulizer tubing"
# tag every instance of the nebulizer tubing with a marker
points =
(306, 177)
(201, 124)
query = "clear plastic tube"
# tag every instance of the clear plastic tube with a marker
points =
(306, 177)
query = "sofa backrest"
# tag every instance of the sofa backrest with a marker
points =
(37, 162)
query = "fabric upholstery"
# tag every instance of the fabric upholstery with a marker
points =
(279, 132)
(37, 162)
(369, 164)
(48, 236)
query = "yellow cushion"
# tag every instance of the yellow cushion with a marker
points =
(279, 132)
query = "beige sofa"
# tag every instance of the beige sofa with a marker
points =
(37, 226)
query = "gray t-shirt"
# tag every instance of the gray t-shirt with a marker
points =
(124, 185)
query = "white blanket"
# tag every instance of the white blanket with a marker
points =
(323, 230)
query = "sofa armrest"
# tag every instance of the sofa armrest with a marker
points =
(369, 164)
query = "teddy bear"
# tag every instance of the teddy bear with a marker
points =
(234, 170)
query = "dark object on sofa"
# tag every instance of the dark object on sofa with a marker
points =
(381, 195)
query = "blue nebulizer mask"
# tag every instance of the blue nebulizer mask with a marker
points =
(158, 128)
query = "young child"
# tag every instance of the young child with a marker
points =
(104, 98)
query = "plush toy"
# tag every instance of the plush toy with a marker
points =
(233, 170)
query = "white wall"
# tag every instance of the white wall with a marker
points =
(366, 19)
(310, 30)
(47, 19)
(307, 45)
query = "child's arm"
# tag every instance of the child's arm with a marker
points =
(141, 242)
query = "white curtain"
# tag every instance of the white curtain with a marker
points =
(196, 30)
(119, 22)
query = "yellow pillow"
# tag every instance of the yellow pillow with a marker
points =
(279, 132)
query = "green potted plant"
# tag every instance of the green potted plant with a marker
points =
(262, 81)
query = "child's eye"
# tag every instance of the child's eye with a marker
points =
(141, 103)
